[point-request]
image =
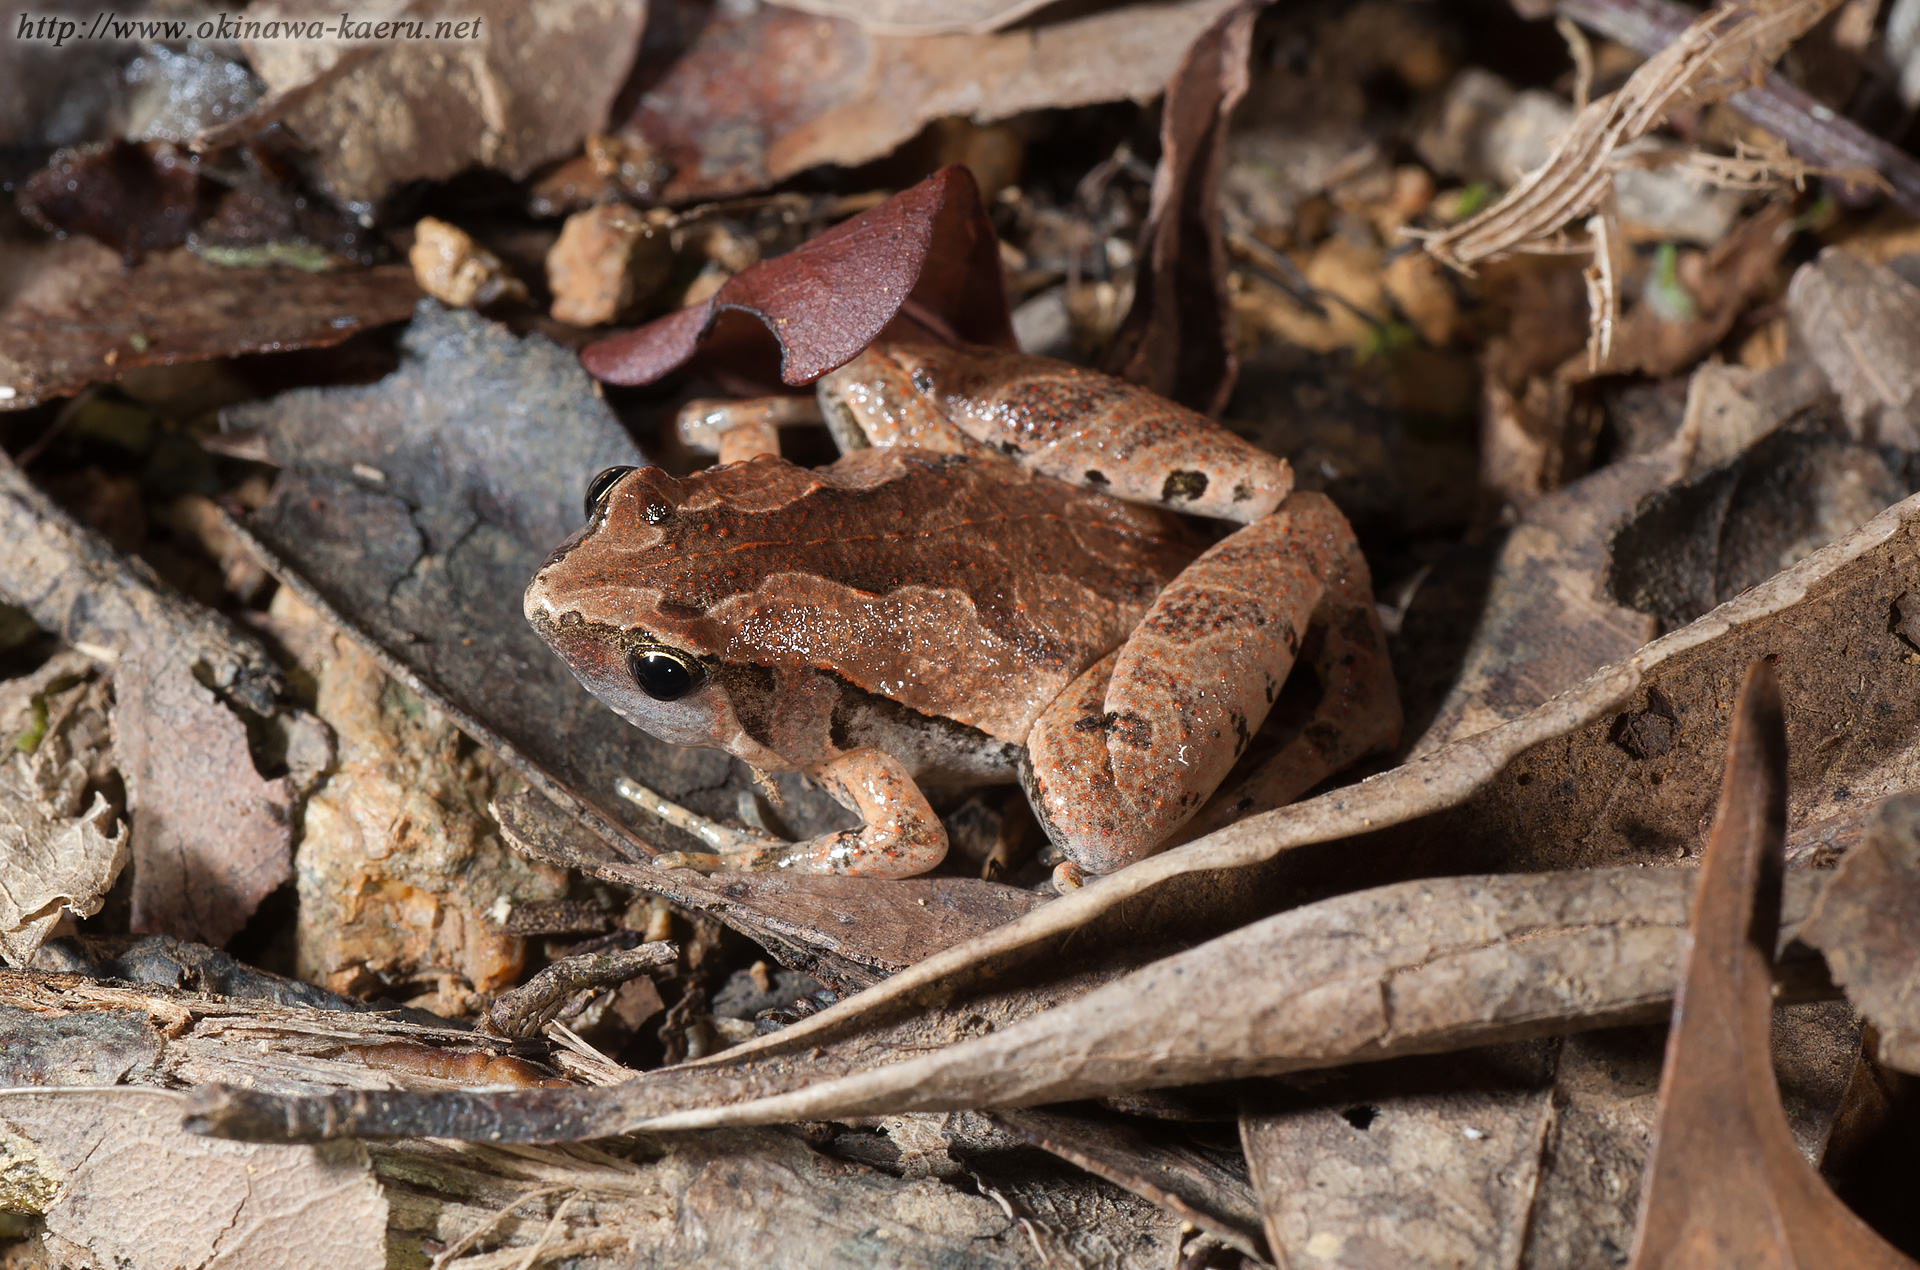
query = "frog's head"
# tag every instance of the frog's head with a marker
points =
(607, 602)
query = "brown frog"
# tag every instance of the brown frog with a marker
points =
(990, 584)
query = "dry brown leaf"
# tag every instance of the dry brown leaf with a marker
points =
(120, 1185)
(59, 852)
(1426, 1162)
(537, 79)
(1725, 1183)
(211, 837)
(765, 92)
(73, 314)
(1866, 926)
(1722, 52)
(1178, 338)
(1858, 320)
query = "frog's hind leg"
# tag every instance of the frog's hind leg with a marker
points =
(899, 836)
(1135, 746)
(1358, 712)
(744, 429)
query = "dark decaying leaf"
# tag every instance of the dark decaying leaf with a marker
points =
(73, 314)
(1178, 339)
(926, 258)
(133, 198)
(1552, 789)
(764, 93)
(527, 88)
(1865, 924)
(1653, 541)
(1181, 1180)
(210, 836)
(117, 1183)
(1725, 1182)
(412, 512)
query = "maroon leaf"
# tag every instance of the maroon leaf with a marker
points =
(926, 262)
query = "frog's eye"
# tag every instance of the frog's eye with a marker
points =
(597, 487)
(665, 674)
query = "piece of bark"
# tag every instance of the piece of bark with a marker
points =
(401, 869)
(765, 93)
(1813, 131)
(59, 851)
(1725, 1182)
(1553, 789)
(119, 1184)
(1178, 338)
(527, 1009)
(74, 315)
(526, 89)
(1857, 320)
(926, 262)
(1867, 926)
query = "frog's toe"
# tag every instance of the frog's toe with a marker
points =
(1068, 876)
(698, 861)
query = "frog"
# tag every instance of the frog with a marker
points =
(1005, 577)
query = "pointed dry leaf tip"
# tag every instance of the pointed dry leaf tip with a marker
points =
(927, 257)
(1725, 1183)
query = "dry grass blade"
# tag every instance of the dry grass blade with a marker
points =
(1715, 57)
(1725, 1183)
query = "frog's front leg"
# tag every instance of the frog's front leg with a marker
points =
(899, 836)
(1136, 745)
(740, 430)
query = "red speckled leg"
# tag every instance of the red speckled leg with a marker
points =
(1134, 747)
(899, 836)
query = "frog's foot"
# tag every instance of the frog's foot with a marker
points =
(741, 430)
(1134, 747)
(900, 836)
(1068, 876)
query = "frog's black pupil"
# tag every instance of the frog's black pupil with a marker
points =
(597, 487)
(665, 675)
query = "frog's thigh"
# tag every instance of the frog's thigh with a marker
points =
(1134, 746)
(1359, 708)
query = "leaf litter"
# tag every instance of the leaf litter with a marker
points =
(1453, 970)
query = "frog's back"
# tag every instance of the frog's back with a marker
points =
(954, 584)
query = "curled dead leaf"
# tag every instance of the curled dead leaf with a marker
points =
(927, 258)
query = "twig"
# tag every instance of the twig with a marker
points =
(1811, 130)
